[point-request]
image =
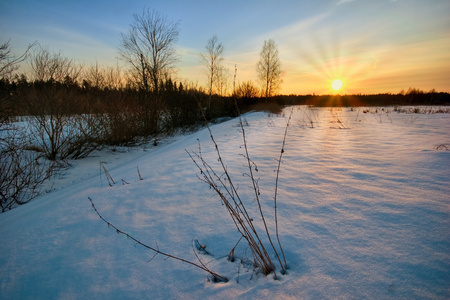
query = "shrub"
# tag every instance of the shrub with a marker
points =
(22, 170)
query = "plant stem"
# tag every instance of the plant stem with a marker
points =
(216, 276)
(276, 187)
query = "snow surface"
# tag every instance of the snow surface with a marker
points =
(364, 213)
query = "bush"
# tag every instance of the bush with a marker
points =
(22, 170)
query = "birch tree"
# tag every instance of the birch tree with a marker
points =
(212, 59)
(269, 68)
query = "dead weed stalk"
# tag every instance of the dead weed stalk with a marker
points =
(216, 277)
(222, 183)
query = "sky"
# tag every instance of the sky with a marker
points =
(372, 46)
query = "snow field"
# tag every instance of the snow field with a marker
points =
(363, 210)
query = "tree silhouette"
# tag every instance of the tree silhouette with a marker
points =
(46, 65)
(149, 48)
(212, 59)
(269, 68)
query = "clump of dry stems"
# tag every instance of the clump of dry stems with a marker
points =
(222, 183)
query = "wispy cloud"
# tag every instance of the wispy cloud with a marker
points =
(344, 1)
(77, 44)
(296, 28)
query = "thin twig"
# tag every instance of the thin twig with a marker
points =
(139, 173)
(276, 187)
(256, 191)
(198, 258)
(107, 175)
(216, 276)
(231, 254)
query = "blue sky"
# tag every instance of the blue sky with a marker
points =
(373, 46)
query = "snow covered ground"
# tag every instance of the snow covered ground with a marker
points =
(364, 213)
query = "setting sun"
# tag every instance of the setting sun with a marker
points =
(336, 84)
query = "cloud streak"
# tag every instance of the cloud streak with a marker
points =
(343, 2)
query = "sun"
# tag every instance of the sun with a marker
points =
(336, 84)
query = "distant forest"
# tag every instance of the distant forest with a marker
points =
(412, 96)
(21, 97)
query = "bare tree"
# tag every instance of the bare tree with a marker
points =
(101, 78)
(114, 77)
(269, 68)
(246, 89)
(222, 81)
(149, 48)
(212, 59)
(10, 62)
(95, 76)
(46, 66)
(54, 127)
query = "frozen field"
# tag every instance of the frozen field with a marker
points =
(363, 208)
